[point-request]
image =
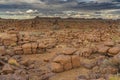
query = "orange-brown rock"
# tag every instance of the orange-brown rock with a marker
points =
(27, 51)
(64, 60)
(75, 61)
(34, 47)
(42, 46)
(7, 69)
(86, 52)
(56, 67)
(109, 43)
(113, 51)
(2, 50)
(102, 49)
(67, 66)
(68, 51)
(18, 50)
(27, 46)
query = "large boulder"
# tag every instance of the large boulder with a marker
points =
(64, 60)
(27, 51)
(18, 50)
(7, 69)
(2, 50)
(68, 51)
(102, 49)
(27, 48)
(86, 52)
(47, 43)
(109, 43)
(56, 67)
(34, 47)
(113, 51)
(75, 61)
(42, 46)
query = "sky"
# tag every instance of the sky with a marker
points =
(20, 9)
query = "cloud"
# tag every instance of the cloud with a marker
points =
(30, 11)
(76, 8)
(18, 12)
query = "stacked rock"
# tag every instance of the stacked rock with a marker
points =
(65, 60)
(109, 48)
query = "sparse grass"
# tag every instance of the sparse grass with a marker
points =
(116, 77)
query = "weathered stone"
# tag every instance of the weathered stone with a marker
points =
(56, 67)
(34, 48)
(12, 32)
(62, 59)
(102, 49)
(75, 61)
(8, 42)
(27, 51)
(68, 51)
(2, 50)
(113, 51)
(67, 66)
(7, 69)
(34, 45)
(109, 43)
(18, 50)
(13, 37)
(89, 64)
(86, 52)
(42, 45)
(27, 46)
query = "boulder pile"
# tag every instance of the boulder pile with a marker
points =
(69, 58)
(14, 42)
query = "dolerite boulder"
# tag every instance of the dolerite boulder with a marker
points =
(75, 61)
(27, 48)
(56, 67)
(2, 50)
(9, 39)
(42, 46)
(86, 52)
(109, 43)
(113, 51)
(1, 41)
(64, 60)
(34, 47)
(46, 43)
(67, 51)
(7, 69)
(12, 31)
(18, 50)
(102, 49)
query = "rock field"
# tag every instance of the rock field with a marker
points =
(88, 53)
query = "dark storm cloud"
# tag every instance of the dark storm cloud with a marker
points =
(51, 7)
(97, 6)
(63, 4)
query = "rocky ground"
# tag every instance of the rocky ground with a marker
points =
(62, 54)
